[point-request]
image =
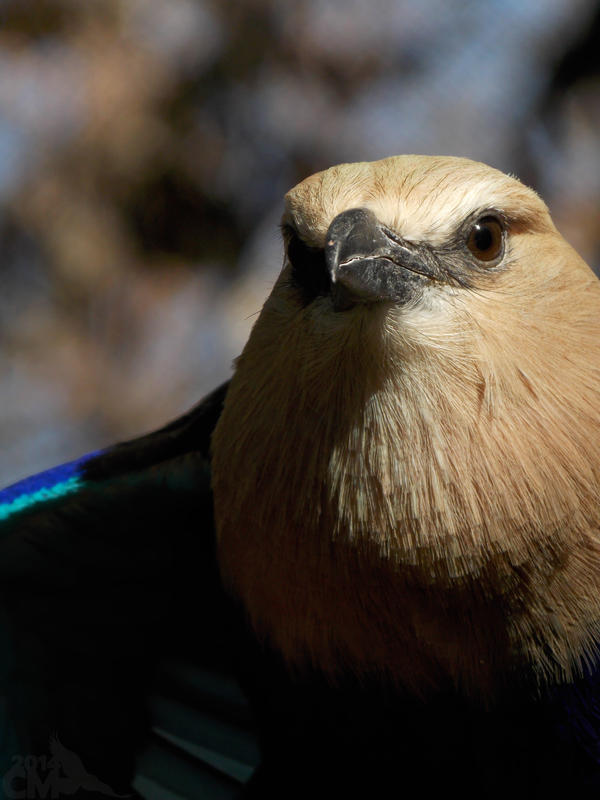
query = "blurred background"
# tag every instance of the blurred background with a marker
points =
(145, 146)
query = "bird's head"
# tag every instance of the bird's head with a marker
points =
(442, 252)
(420, 391)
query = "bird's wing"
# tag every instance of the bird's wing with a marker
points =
(115, 627)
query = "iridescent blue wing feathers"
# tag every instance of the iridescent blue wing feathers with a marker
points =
(107, 571)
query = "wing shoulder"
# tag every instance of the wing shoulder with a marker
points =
(107, 571)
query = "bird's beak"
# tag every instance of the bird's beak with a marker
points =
(368, 263)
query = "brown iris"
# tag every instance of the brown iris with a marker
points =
(486, 239)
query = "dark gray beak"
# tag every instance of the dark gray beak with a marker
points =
(368, 263)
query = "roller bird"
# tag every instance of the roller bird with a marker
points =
(369, 564)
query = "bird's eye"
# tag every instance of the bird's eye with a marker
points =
(309, 270)
(486, 239)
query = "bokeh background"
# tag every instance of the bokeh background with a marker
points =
(145, 146)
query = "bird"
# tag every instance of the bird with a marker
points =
(369, 564)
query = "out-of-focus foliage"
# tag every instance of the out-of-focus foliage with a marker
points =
(145, 146)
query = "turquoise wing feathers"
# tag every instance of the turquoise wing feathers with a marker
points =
(109, 593)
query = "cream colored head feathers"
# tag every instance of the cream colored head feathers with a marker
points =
(413, 486)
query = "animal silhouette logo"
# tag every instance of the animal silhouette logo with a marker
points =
(61, 775)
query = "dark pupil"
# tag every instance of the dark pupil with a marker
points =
(484, 237)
